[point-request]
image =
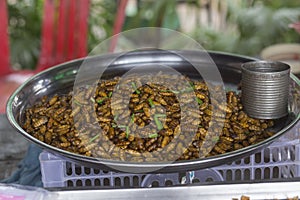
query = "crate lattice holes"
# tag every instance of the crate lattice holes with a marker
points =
(279, 161)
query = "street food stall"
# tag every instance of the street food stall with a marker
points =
(260, 170)
(145, 117)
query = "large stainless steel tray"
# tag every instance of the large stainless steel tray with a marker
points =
(61, 78)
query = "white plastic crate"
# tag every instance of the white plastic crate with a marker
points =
(279, 161)
(58, 172)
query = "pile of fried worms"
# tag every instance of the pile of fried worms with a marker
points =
(156, 123)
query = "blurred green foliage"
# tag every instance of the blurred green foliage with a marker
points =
(251, 25)
(25, 22)
(101, 20)
(24, 31)
(154, 14)
(276, 4)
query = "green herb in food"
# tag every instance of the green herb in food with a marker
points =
(151, 103)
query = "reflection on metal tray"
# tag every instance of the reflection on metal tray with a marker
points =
(61, 78)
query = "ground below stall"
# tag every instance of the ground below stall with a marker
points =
(13, 147)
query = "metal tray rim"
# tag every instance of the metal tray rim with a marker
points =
(174, 165)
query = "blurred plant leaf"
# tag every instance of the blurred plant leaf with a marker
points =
(101, 20)
(261, 25)
(154, 14)
(24, 32)
(211, 39)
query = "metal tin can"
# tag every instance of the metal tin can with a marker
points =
(265, 89)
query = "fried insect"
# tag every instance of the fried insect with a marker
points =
(92, 124)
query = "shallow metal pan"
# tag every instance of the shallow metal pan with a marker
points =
(60, 79)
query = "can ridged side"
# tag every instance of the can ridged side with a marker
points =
(265, 89)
